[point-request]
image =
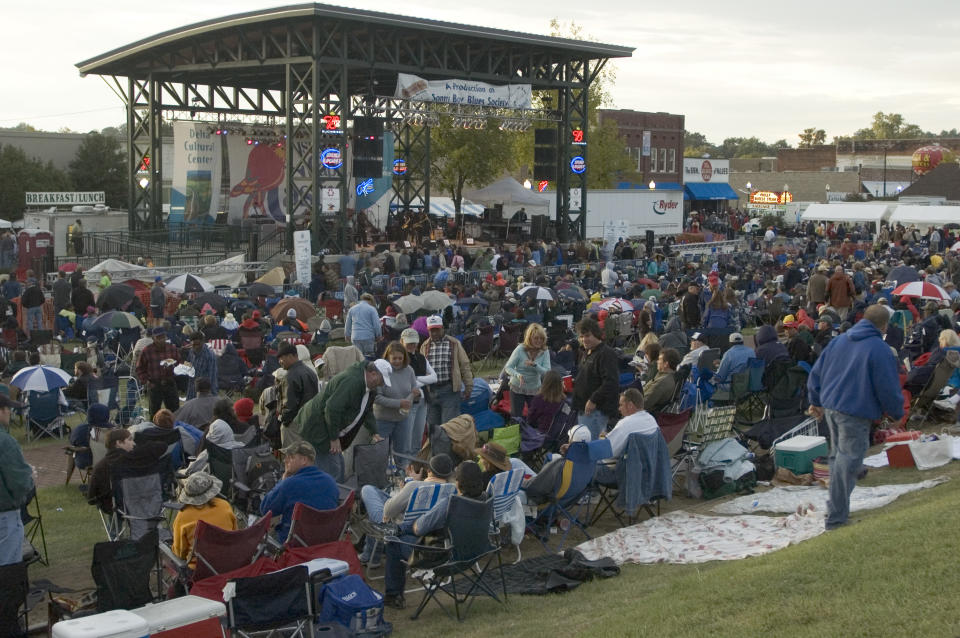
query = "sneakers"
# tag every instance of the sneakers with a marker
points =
(945, 404)
(395, 601)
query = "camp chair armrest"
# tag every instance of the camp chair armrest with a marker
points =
(242, 487)
(167, 554)
(173, 505)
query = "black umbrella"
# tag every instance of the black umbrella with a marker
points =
(574, 294)
(472, 301)
(258, 289)
(116, 297)
(903, 275)
(216, 302)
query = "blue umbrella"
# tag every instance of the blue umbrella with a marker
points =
(40, 379)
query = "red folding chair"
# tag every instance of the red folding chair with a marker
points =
(310, 526)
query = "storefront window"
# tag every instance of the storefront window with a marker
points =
(672, 160)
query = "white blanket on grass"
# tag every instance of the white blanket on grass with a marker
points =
(788, 499)
(683, 537)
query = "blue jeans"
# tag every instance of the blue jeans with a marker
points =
(395, 571)
(34, 319)
(444, 404)
(11, 537)
(849, 440)
(596, 422)
(374, 499)
(417, 419)
(396, 432)
(366, 346)
(332, 464)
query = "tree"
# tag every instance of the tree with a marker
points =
(889, 126)
(811, 137)
(696, 145)
(462, 156)
(20, 174)
(100, 165)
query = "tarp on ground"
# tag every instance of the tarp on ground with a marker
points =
(922, 216)
(847, 212)
(507, 191)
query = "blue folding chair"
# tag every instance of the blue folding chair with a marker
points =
(504, 488)
(44, 415)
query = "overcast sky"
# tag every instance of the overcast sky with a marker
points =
(735, 68)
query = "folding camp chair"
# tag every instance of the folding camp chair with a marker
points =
(44, 415)
(276, 604)
(560, 491)
(138, 498)
(217, 551)
(309, 526)
(504, 489)
(128, 401)
(32, 520)
(785, 384)
(481, 344)
(923, 401)
(122, 571)
(638, 479)
(469, 558)
(709, 359)
(14, 587)
(247, 474)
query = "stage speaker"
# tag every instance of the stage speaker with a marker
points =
(367, 147)
(367, 127)
(545, 137)
(367, 167)
(538, 226)
(649, 243)
(545, 172)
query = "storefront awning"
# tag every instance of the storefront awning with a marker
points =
(710, 191)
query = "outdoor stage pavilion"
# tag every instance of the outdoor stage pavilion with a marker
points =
(288, 68)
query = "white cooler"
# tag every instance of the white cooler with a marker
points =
(110, 624)
(184, 617)
(336, 567)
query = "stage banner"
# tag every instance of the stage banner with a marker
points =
(195, 192)
(514, 96)
(258, 185)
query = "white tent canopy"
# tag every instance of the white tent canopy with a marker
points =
(227, 272)
(847, 212)
(443, 206)
(924, 216)
(508, 191)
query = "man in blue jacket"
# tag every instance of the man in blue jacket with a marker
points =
(734, 360)
(854, 382)
(302, 482)
(362, 327)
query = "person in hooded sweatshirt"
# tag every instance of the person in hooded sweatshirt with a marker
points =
(853, 383)
(768, 347)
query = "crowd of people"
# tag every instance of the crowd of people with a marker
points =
(824, 304)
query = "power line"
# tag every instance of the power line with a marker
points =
(39, 117)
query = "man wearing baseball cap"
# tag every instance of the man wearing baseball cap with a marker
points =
(302, 482)
(734, 360)
(698, 345)
(331, 420)
(454, 375)
(16, 477)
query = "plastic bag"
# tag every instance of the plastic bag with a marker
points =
(932, 453)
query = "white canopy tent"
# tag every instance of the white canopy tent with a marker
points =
(508, 191)
(443, 206)
(851, 212)
(924, 216)
(227, 272)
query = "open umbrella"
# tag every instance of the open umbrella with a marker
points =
(258, 289)
(435, 300)
(922, 289)
(304, 308)
(616, 303)
(646, 282)
(70, 266)
(573, 293)
(116, 319)
(40, 378)
(189, 283)
(903, 274)
(216, 301)
(116, 297)
(537, 293)
(409, 304)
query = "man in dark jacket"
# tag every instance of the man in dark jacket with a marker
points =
(82, 298)
(300, 384)
(32, 301)
(16, 479)
(854, 382)
(690, 307)
(596, 389)
(331, 420)
(61, 292)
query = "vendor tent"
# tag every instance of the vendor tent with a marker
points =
(924, 216)
(847, 212)
(508, 191)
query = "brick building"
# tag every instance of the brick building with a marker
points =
(665, 162)
(817, 158)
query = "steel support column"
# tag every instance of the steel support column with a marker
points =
(143, 141)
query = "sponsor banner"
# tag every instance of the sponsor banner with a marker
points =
(195, 192)
(301, 255)
(702, 171)
(515, 96)
(67, 199)
(258, 184)
(645, 150)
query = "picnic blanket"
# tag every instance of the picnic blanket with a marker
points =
(682, 537)
(788, 499)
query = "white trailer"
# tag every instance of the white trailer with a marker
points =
(621, 213)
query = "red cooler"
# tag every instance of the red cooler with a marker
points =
(184, 617)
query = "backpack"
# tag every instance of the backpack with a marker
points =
(349, 601)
